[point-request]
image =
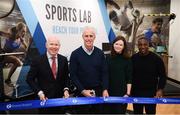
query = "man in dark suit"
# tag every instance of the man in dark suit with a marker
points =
(48, 75)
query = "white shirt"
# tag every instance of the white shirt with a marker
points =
(87, 51)
(50, 60)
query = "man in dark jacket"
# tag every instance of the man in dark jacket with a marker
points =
(48, 75)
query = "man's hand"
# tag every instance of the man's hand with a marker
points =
(43, 97)
(66, 94)
(105, 93)
(87, 93)
(159, 93)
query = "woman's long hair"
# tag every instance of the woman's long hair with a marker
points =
(124, 51)
(14, 30)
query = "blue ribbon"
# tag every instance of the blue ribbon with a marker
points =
(31, 104)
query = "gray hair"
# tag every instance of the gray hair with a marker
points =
(92, 29)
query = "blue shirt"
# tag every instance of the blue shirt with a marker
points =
(149, 33)
(11, 45)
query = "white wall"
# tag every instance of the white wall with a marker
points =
(174, 43)
(70, 40)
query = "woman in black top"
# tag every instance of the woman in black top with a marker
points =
(120, 74)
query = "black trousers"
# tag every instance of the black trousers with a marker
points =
(115, 108)
(52, 110)
(149, 108)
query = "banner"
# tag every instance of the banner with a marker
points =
(64, 19)
(83, 101)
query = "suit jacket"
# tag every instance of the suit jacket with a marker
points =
(40, 76)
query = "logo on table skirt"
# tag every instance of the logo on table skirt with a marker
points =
(8, 106)
(135, 100)
(164, 100)
(42, 103)
(74, 101)
(105, 98)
